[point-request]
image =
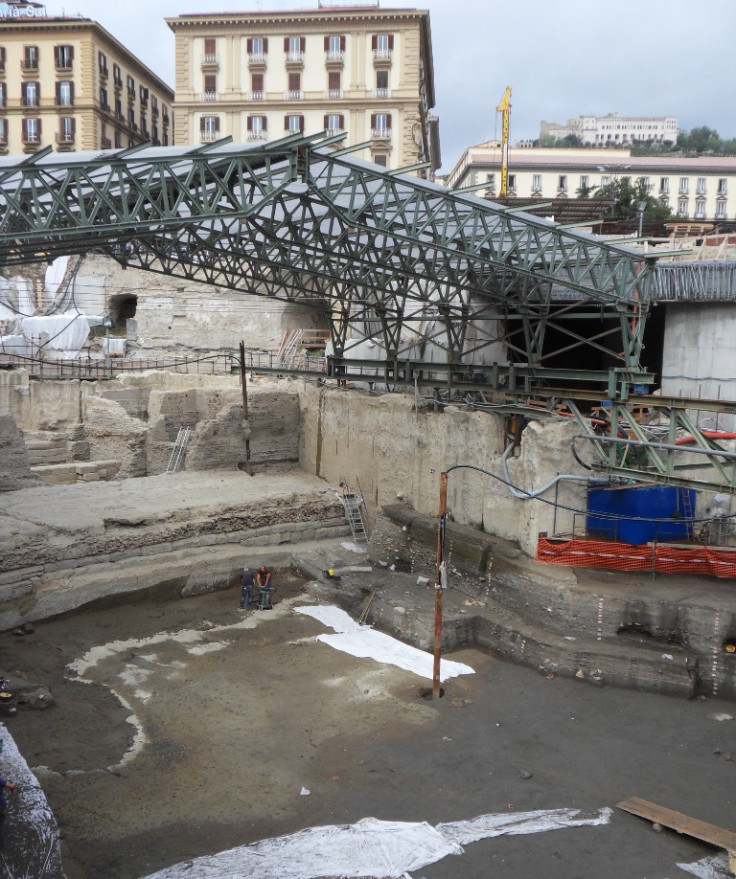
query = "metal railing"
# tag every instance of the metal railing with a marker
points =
(207, 364)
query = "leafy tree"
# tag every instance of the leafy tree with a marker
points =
(626, 196)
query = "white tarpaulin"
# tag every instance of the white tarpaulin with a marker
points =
(54, 276)
(65, 332)
(369, 848)
(714, 867)
(365, 643)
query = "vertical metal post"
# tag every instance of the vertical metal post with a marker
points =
(244, 383)
(439, 587)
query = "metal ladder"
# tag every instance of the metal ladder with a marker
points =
(355, 513)
(289, 346)
(688, 512)
(179, 450)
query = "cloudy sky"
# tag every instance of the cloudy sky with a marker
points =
(562, 58)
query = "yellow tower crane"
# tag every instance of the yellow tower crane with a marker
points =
(505, 108)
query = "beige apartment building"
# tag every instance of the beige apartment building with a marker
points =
(68, 83)
(260, 76)
(702, 188)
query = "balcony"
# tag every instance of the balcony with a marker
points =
(119, 116)
(131, 92)
(106, 108)
(334, 94)
(295, 57)
(255, 96)
(335, 57)
(382, 55)
(294, 95)
(132, 125)
(210, 60)
(258, 135)
(64, 138)
(165, 118)
(117, 82)
(209, 136)
(208, 97)
(381, 93)
(29, 67)
(381, 134)
(257, 59)
(106, 143)
(32, 138)
(103, 71)
(64, 66)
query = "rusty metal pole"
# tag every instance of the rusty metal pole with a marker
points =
(244, 384)
(439, 587)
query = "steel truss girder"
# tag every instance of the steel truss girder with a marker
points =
(379, 252)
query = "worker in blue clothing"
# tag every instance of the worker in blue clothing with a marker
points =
(247, 582)
(10, 787)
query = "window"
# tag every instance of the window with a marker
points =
(2, 57)
(102, 62)
(700, 208)
(117, 76)
(154, 105)
(3, 95)
(31, 130)
(130, 82)
(664, 185)
(4, 131)
(210, 50)
(164, 139)
(30, 58)
(30, 94)
(144, 126)
(684, 184)
(154, 135)
(257, 49)
(491, 181)
(537, 182)
(381, 124)
(721, 210)
(722, 186)
(295, 86)
(334, 47)
(584, 182)
(682, 207)
(118, 138)
(383, 46)
(562, 182)
(605, 179)
(209, 127)
(645, 183)
(210, 87)
(131, 118)
(700, 186)
(103, 98)
(294, 48)
(334, 122)
(63, 56)
(333, 84)
(382, 90)
(144, 95)
(294, 123)
(257, 127)
(511, 183)
(65, 93)
(119, 109)
(256, 85)
(67, 129)
(380, 159)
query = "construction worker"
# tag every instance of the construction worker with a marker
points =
(246, 592)
(263, 581)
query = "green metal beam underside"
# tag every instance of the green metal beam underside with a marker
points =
(294, 220)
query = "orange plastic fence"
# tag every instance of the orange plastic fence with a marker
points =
(581, 553)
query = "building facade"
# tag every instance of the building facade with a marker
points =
(696, 189)
(613, 130)
(69, 84)
(260, 76)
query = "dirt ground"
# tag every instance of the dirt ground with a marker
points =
(196, 728)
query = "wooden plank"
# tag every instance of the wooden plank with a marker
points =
(711, 833)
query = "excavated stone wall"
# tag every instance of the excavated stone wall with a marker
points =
(395, 449)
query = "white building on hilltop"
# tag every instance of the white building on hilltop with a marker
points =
(614, 130)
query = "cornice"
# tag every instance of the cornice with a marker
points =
(260, 20)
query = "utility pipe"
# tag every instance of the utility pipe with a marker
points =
(530, 495)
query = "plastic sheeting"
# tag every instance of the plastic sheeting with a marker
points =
(30, 829)
(715, 867)
(64, 333)
(54, 276)
(368, 848)
(365, 643)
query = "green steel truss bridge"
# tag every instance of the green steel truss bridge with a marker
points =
(451, 291)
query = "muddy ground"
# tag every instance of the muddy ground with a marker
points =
(238, 712)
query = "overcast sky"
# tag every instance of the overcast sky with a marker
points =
(562, 58)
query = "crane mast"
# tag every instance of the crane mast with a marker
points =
(504, 109)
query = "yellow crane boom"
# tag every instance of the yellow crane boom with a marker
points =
(505, 108)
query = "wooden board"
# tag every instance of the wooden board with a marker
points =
(717, 836)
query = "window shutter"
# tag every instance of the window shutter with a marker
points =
(57, 56)
(249, 46)
(58, 92)
(250, 123)
(264, 123)
(286, 44)
(301, 124)
(210, 46)
(71, 92)
(38, 94)
(326, 123)
(302, 43)
(217, 123)
(286, 123)
(71, 53)
(342, 44)
(373, 120)
(327, 43)
(38, 128)
(202, 123)
(341, 121)
(391, 42)
(2, 54)
(257, 82)
(73, 126)
(265, 45)
(374, 42)
(388, 120)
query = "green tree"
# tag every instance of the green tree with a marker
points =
(626, 197)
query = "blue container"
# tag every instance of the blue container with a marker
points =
(640, 506)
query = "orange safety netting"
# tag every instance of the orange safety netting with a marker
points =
(581, 553)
